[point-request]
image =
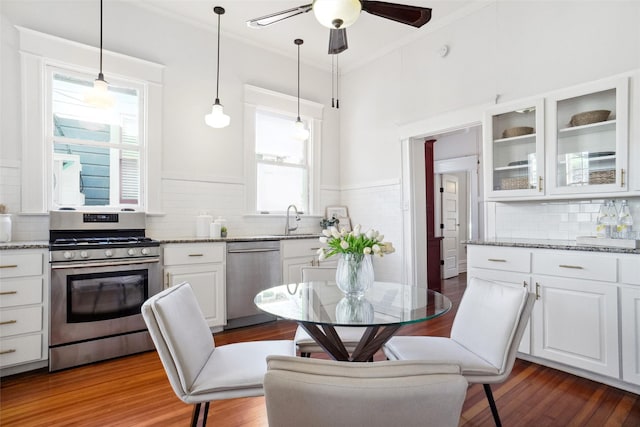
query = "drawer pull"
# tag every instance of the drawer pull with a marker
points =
(540, 184)
(537, 291)
(314, 249)
(196, 254)
(8, 292)
(11, 350)
(575, 267)
(496, 260)
(9, 266)
(8, 322)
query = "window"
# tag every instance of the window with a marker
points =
(83, 156)
(97, 153)
(283, 169)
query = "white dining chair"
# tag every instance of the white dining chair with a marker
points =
(326, 393)
(350, 336)
(484, 338)
(198, 370)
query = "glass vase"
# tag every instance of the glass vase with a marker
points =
(351, 309)
(354, 274)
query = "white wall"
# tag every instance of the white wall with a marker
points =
(202, 168)
(507, 49)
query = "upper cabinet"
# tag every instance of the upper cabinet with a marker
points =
(588, 139)
(514, 149)
(572, 142)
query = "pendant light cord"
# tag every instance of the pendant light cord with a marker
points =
(100, 75)
(219, 11)
(298, 42)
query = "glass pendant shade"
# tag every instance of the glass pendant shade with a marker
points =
(217, 118)
(99, 95)
(337, 13)
(300, 132)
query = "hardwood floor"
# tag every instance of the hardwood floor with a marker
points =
(134, 391)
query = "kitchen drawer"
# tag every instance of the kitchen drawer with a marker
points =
(20, 265)
(300, 248)
(193, 254)
(579, 265)
(15, 321)
(630, 269)
(20, 349)
(499, 258)
(21, 291)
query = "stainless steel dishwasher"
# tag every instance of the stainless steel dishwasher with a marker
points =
(251, 267)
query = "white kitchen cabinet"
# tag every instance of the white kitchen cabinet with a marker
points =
(589, 158)
(575, 319)
(297, 253)
(514, 164)
(630, 317)
(504, 266)
(24, 290)
(203, 266)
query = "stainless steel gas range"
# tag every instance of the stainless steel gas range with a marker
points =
(103, 268)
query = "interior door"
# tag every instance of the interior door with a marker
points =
(451, 223)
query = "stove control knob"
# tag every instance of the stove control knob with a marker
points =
(108, 253)
(68, 254)
(145, 251)
(131, 252)
(84, 254)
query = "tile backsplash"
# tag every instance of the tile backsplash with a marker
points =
(563, 220)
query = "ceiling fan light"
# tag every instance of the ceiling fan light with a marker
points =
(217, 118)
(337, 13)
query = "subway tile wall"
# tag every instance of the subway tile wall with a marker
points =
(564, 220)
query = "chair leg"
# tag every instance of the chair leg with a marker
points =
(196, 415)
(205, 414)
(305, 354)
(492, 404)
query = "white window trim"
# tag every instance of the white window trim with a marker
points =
(38, 51)
(256, 98)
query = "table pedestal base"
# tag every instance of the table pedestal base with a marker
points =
(372, 340)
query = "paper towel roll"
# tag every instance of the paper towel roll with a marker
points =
(202, 225)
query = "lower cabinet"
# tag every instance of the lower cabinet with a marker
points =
(203, 266)
(299, 253)
(24, 290)
(575, 322)
(587, 310)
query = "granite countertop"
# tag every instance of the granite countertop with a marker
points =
(43, 244)
(236, 238)
(569, 245)
(40, 244)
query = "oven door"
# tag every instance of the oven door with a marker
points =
(95, 300)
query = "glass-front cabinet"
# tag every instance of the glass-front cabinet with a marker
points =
(514, 149)
(587, 143)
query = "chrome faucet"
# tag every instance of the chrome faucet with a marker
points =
(287, 228)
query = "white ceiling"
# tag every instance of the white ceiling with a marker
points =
(369, 37)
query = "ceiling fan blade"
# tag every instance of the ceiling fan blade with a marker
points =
(337, 40)
(263, 21)
(411, 15)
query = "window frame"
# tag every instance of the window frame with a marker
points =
(141, 147)
(37, 52)
(259, 99)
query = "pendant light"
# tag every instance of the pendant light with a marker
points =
(217, 118)
(300, 131)
(99, 96)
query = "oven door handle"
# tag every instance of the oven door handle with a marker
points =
(105, 264)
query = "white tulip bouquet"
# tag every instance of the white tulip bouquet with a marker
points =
(353, 242)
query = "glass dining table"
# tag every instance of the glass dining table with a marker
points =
(320, 306)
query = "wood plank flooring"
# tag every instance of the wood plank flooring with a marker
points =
(134, 391)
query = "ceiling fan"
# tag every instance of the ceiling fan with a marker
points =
(339, 14)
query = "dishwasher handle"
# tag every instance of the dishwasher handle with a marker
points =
(244, 251)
